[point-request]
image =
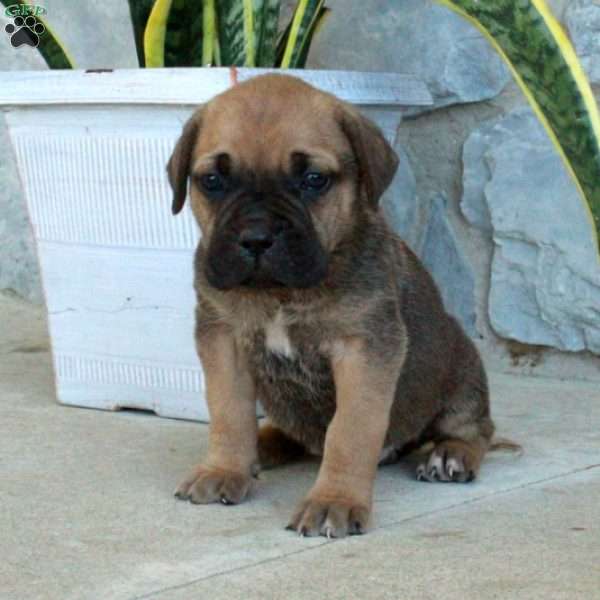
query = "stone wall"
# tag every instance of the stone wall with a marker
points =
(481, 194)
(501, 226)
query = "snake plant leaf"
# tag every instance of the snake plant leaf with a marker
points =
(183, 41)
(216, 46)
(282, 42)
(267, 44)
(49, 46)
(314, 28)
(304, 18)
(546, 67)
(258, 27)
(237, 31)
(209, 33)
(53, 51)
(155, 33)
(140, 11)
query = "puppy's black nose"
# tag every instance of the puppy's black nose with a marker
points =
(256, 240)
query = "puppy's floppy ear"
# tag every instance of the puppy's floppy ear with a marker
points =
(376, 160)
(178, 167)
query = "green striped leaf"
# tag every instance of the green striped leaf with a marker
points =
(546, 67)
(184, 34)
(49, 46)
(140, 11)
(314, 29)
(237, 34)
(267, 44)
(282, 43)
(257, 24)
(304, 18)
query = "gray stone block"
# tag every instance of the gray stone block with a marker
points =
(18, 264)
(478, 162)
(442, 255)
(545, 281)
(401, 203)
(582, 18)
(412, 36)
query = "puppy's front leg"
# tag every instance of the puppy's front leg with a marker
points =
(226, 474)
(340, 501)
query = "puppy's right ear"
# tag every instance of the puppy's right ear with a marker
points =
(178, 167)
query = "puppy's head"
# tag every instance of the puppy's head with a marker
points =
(279, 174)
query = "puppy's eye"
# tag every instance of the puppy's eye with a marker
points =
(314, 181)
(212, 182)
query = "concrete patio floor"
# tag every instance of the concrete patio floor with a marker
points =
(86, 510)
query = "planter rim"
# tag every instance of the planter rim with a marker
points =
(193, 86)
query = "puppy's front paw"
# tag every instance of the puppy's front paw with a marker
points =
(331, 518)
(204, 485)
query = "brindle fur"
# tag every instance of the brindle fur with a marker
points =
(376, 317)
(442, 368)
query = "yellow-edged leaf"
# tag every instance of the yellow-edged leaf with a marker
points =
(249, 40)
(294, 32)
(208, 32)
(154, 35)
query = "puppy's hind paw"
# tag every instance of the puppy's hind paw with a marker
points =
(450, 461)
(275, 448)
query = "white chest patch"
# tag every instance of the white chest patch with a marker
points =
(276, 336)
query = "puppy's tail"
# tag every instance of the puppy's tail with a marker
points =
(499, 443)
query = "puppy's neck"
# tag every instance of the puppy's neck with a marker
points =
(359, 256)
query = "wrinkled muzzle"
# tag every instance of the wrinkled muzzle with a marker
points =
(263, 244)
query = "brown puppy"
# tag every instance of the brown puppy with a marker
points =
(308, 301)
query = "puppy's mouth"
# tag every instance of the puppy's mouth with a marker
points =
(261, 276)
(265, 261)
(260, 282)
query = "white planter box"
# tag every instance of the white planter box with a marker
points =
(91, 149)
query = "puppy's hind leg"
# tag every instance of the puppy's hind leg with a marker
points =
(275, 448)
(461, 434)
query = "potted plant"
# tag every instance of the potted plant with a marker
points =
(91, 149)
